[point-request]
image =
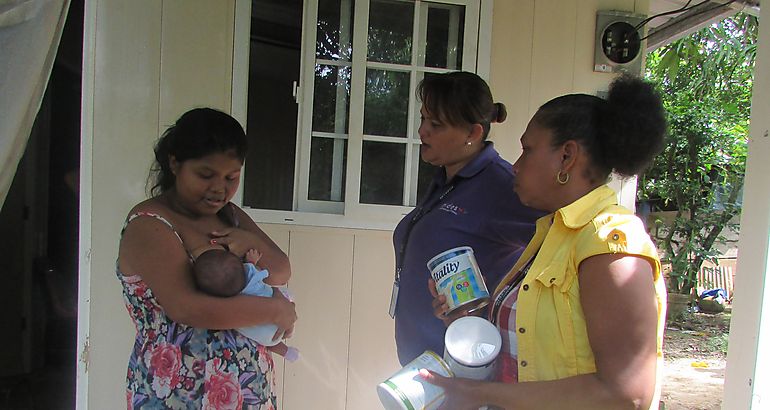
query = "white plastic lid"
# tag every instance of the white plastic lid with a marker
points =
(472, 341)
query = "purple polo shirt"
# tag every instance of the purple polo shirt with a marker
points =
(482, 212)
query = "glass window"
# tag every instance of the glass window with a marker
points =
(386, 104)
(390, 31)
(271, 123)
(382, 173)
(444, 37)
(327, 176)
(345, 140)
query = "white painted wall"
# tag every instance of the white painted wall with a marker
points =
(148, 61)
(145, 62)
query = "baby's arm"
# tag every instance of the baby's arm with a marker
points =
(253, 256)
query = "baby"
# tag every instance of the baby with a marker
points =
(219, 272)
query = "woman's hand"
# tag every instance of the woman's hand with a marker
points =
(460, 394)
(238, 241)
(441, 307)
(285, 317)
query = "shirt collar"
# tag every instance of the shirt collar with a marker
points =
(476, 165)
(585, 209)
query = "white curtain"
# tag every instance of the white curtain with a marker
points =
(29, 36)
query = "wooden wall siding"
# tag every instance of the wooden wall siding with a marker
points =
(280, 235)
(344, 332)
(542, 49)
(125, 118)
(322, 276)
(149, 61)
(372, 346)
(554, 40)
(188, 76)
(511, 71)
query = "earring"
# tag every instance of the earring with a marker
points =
(564, 180)
(468, 143)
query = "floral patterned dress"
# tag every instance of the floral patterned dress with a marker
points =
(174, 366)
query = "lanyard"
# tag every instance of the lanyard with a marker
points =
(422, 210)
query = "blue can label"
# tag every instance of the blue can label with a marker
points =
(458, 277)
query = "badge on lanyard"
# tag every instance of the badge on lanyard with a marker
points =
(393, 300)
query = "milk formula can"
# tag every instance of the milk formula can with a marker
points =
(471, 345)
(458, 277)
(406, 390)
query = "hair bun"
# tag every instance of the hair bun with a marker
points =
(500, 113)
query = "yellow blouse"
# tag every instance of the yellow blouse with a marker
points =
(552, 336)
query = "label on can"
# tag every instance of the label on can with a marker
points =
(458, 278)
(406, 390)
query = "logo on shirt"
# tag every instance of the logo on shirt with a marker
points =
(452, 209)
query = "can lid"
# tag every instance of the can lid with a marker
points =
(472, 341)
(448, 254)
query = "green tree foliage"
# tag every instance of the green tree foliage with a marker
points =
(706, 82)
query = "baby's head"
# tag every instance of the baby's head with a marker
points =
(219, 272)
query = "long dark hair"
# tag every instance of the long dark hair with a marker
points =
(197, 133)
(621, 134)
(460, 98)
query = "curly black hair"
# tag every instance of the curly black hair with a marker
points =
(622, 133)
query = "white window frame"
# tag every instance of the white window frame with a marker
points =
(351, 213)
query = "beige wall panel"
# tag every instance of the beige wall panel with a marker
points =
(280, 235)
(511, 71)
(554, 44)
(197, 56)
(372, 340)
(322, 261)
(125, 112)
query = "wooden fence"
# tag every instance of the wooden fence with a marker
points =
(717, 276)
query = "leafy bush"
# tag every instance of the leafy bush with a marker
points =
(705, 81)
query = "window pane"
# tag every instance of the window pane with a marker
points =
(382, 173)
(334, 32)
(274, 62)
(327, 169)
(331, 99)
(386, 104)
(424, 178)
(445, 36)
(390, 31)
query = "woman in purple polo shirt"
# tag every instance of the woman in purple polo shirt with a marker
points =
(469, 203)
